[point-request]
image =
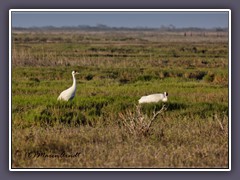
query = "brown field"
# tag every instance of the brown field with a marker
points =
(101, 128)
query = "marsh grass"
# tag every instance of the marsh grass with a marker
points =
(116, 69)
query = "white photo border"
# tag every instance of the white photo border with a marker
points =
(119, 10)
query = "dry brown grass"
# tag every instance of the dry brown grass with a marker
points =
(189, 143)
(137, 123)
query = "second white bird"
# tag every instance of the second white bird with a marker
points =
(154, 98)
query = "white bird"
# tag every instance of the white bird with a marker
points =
(154, 98)
(69, 93)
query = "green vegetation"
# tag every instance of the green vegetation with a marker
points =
(116, 69)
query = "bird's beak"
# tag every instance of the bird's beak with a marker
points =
(76, 72)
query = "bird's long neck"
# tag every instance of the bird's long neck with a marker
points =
(74, 81)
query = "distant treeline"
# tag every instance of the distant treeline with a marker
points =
(102, 27)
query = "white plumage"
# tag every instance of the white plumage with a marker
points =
(69, 93)
(154, 98)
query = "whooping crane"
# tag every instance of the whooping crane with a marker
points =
(69, 93)
(154, 98)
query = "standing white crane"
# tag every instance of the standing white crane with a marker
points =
(154, 98)
(69, 93)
